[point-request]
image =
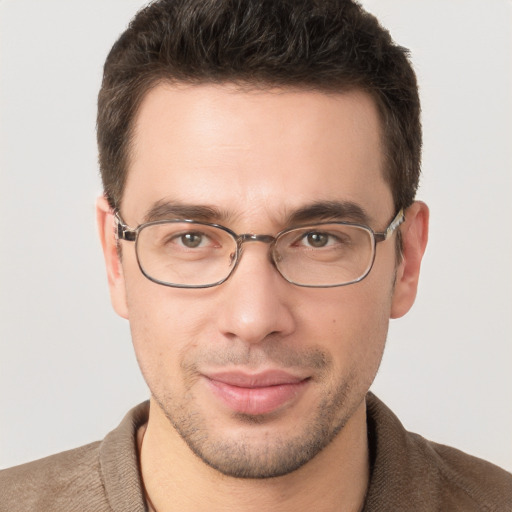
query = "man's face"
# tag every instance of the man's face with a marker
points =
(257, 375)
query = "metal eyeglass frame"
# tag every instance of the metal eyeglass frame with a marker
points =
(128, 234)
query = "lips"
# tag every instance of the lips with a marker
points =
(256, 394)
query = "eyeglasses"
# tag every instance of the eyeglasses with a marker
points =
(184, 253)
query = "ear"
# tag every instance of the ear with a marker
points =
(106, 227)
(414, 241)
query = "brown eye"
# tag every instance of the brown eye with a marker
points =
(191, 240)
(317, 239)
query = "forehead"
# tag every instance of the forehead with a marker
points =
(255, 153)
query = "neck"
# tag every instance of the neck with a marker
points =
(176, 480)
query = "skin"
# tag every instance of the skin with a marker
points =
(257, 156)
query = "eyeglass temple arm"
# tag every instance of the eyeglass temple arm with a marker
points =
(123, 232)
(399, 218)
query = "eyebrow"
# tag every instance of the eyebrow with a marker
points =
(315, 212)
(163, 210)
(329, 210)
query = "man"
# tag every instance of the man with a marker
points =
(260, 162)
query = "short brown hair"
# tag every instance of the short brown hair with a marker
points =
(327, 45)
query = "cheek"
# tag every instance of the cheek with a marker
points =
(165, 323)
(352, 324)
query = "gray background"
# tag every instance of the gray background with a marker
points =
(67, 372)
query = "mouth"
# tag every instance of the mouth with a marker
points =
(256, 394)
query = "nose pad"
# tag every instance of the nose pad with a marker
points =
(275, 256)
(268, 240)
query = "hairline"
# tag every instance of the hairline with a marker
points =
(246, 86)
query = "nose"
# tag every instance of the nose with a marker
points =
(256, 301)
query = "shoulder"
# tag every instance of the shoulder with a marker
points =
(64, 481)
(464, 478)
(413, 473)
(98, 477)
